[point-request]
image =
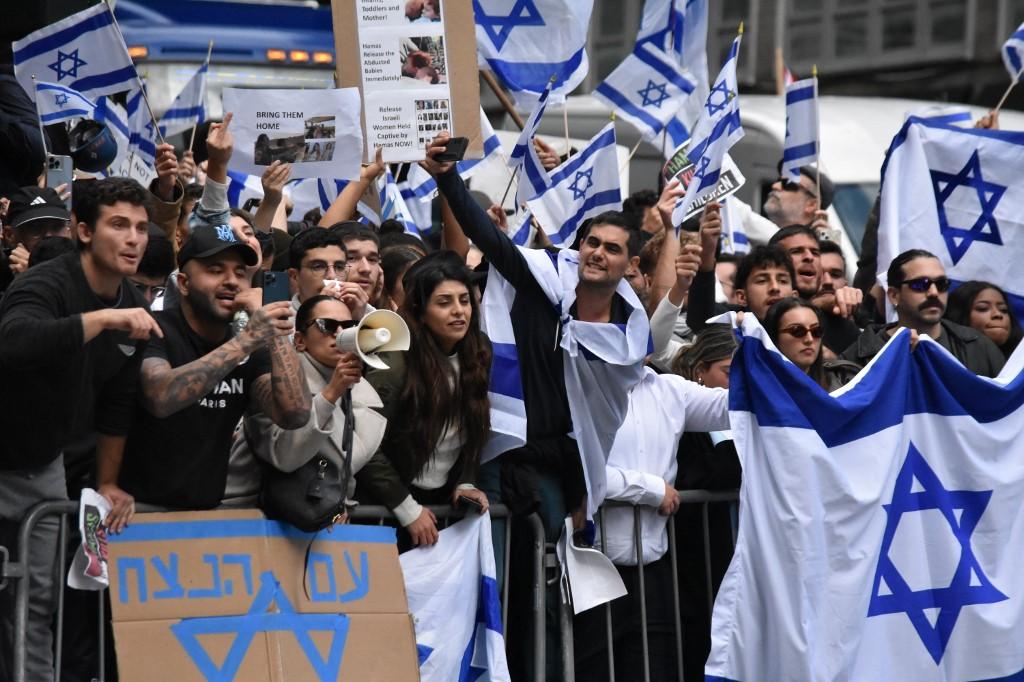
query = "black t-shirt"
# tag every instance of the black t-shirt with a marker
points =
(181, 461)
(55, 387)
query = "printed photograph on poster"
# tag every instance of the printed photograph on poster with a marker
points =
(319, 127)
(319, 150)
(432, 117)
(287, 149)
(396, 14)
(423, 61)
(423, 11)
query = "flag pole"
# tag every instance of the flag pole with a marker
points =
(817, 173)
(565, 124)
(138, 79)
(39, 117)
(503, 97)
(630, 157)
(1009, 89)
(195, 124)
(509, 186)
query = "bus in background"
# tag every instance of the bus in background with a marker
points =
(256, 44)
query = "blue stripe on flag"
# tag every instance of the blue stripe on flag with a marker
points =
(799, 152)
(726, 125)
(102, 80)
(64, 115)
(623, 103)
(609, 197)
(671, 75)
(63, 37)
(534, 76)
(598, 144)
(184, 112)
(489, 611)
(505, 378)
(799, 95)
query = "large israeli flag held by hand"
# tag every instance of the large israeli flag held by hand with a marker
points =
(646, 89)
(582, 187)
(56, 103)
(716, 131)
(189, 107)
(84, 52)
(453, 599)
(526, 42)
(959, 193)
(880, 528)
(801, 145)
(1013, 53)
(143, 130)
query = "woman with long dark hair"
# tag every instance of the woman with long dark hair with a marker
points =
(985, 307)
(797, 327)
(435, 399)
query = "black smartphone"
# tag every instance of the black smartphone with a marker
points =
(468, 503)
(251, 204)
(275, 287)
(454, 150)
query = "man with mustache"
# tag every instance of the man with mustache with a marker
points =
(918, 290)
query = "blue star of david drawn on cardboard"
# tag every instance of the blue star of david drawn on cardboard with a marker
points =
(654, 94)
(498, 28)
(582, 178)
(959, 239)
(724, 96)
(891, 593)
(59, 68)
(257, 620)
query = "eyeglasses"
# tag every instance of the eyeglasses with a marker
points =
(330, 327)
(319, 267)
(793, 186)
(145, 289)
(923, 284)
(799, 331)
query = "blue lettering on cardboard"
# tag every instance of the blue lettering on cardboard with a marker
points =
(169, 573)
(214, 591)
(137, 564)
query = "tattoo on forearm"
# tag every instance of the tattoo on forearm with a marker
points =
(285, 397)
(167, 390)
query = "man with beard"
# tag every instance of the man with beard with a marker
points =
(918, 290)
(804, 248)
(796, 202)
(199, 380)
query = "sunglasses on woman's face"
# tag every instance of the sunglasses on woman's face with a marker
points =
(799, 331)
(330, 327)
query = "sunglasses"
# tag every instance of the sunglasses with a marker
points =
(331, 327)
(794, 186)
(799, 331)
(923, 284)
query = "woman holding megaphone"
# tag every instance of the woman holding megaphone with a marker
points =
(435, 401)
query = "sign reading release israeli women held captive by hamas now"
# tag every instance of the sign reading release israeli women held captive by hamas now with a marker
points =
(317, 131)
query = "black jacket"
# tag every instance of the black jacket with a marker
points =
(972, 348)
(21, 145)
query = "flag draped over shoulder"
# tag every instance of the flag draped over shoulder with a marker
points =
(84, 52)
(880, 527)
(527, 42)
(801, 145)
(453, 598)
(959, 193)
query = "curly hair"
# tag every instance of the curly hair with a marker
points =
(107, 192)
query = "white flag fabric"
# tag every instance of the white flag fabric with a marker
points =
(189, 107)
(880, 527)
(716, 131)
(801, 145)
(582, 187)
(958, 193)
(143, 139)
(453, 599)
(1013, 53)
(392, 206)
(646, 89)
(56, 103)
(533, 178)
(84, 52)
(527, 42)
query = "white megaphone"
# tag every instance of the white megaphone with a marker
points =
(377, 332)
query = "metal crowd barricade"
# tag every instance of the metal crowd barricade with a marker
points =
(701, 497)
(14, 575)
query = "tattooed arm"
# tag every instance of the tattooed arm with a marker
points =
(283, 395)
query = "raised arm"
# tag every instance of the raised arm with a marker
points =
(282, 395)
(344, 207)
(273, 180)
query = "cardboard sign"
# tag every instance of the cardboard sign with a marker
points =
(230, 595)
(416, 70)
(680, 167)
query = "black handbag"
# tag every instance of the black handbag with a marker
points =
(312, 497)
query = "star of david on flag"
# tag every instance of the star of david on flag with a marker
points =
(958, 193)
(526, 41)
(57, 103)
(84, 52)
(880, 526)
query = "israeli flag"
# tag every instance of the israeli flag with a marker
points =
(527, 42)
(242, 187)
(519, 230)
(582, 187)
(801, 145)
(454, 602)
(309, 193)
(646, 90)
(392, 205)
(84, 52)
(1013, 53)
(57, 103)
(958, 193)
(734, 238)
(188, 108)
(115, 118)
(716, 131)
(533, 178)
(420, 211)
(143, 138)
(880, 527)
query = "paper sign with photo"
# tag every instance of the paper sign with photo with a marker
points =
(317, 131)
(680, 167)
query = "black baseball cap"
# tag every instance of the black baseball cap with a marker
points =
(209, 240)
(29, 204)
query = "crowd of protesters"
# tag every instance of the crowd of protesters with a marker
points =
(125, 367)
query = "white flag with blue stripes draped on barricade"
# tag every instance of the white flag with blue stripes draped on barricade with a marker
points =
(582, 187)
(958, 193)
(84, 52)
(1013, 53)
(454, 602)
(716, 131)
(526, 42)
(56, 103)
(646, 89)
(800, 147)
(880, 527)
(189, 107)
